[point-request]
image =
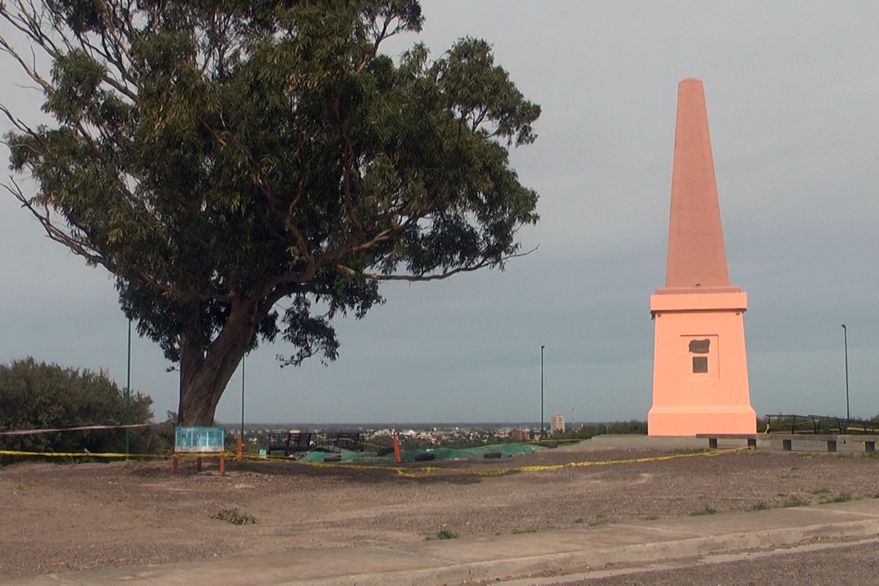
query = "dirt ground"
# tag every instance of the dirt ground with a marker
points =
(67, 517)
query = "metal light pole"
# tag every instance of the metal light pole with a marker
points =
(541, 390)
(242, 399)
(128, 393)
(848, 415)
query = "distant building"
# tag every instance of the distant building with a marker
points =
(557, 424)
(520, 435)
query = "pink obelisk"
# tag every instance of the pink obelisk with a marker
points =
(700, 368)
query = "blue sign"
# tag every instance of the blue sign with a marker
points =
(199, 440)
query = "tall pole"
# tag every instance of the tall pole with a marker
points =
(541, 390)
(848, 415)
(128, 393)
(242, 399)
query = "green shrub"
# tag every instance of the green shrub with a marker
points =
(235, 517)
(37, 395)
(446, 534)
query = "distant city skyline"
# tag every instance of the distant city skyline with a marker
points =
(792, 97)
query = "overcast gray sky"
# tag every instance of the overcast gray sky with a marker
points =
(792, 91)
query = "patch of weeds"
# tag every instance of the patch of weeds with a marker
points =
(706, 511)
(759, 506)
(578, 520)
(521, 531)
(445, 534)
(842, 497)
(651, 518)
(821, 491)
(795, 502)
(235, 517)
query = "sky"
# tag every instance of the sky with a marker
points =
(792, 90)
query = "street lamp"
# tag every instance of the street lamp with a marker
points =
(128, 393)
(240, 455)
(848, 415)
(541, 390)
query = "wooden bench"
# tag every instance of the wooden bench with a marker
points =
(713, 437)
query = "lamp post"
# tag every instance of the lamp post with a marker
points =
(541, 390)
(128, 393)
(848, 415)
(240, 455)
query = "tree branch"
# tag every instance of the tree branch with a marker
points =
(445, 274)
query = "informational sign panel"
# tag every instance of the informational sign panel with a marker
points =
(199, 440)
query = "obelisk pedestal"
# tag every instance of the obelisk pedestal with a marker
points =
(700, 369)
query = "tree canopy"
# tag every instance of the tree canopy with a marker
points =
(218, 157)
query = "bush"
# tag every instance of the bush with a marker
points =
(234, 516)
(36, 395)
(588, 430)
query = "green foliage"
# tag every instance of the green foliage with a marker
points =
(445, 534)
(36, 395)
(588, 430)
(708, 510)
(234, 516)
(219, 157)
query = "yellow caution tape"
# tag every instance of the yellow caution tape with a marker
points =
(424, 471)
(403, 471)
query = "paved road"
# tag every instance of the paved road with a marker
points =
(842, 564)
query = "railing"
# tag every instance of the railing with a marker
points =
(819, 424)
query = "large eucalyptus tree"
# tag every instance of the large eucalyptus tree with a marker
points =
(220, 156)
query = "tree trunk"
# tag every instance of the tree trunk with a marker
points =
(205, 372)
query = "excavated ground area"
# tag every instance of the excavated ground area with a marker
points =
(75, 516)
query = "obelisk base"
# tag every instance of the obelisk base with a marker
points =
(700, 368)
(690, 420)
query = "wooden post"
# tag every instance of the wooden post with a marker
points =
(175, 464)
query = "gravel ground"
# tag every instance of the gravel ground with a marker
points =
(852, 565)
(64, 517)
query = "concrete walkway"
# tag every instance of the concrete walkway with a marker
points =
(516, 557)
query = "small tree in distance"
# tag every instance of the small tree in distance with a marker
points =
(218, 157)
